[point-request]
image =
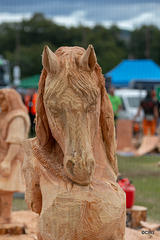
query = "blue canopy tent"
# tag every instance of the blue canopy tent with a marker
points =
(129, 72)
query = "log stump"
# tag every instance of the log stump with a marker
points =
(138, 214)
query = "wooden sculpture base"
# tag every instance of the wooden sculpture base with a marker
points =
(6, 226)
(12, 228)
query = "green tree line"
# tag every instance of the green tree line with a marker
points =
(22, 43)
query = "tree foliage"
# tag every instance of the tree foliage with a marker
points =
(22, 43)
(144, 43)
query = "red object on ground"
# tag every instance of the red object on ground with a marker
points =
(129, 189)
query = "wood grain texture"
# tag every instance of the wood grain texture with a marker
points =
(70, 167)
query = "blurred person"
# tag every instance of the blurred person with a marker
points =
(22, 94)
(154, 94)
(30, 102)
(115, 101)
(150, 109)
(14, 126)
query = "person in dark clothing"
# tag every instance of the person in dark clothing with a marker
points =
(150, 108)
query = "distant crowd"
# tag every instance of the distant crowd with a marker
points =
(149, 105)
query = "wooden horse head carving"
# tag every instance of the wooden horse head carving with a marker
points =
(72, 105)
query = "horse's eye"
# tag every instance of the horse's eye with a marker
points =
(55, 111)
(53, 108)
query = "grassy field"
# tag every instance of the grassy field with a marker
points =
(145, 176)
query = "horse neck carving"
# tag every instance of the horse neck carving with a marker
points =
(72, 108)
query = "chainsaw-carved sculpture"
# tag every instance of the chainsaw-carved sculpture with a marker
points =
(14, 126)
(70, 167)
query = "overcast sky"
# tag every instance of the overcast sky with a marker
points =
(127, 14)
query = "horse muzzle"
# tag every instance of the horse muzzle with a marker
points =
(79, 169)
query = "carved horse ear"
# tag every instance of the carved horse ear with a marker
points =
(88, 59)
(42, 127)
(108, 129)
(49, 60)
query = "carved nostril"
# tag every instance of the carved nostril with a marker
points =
(70, 166)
